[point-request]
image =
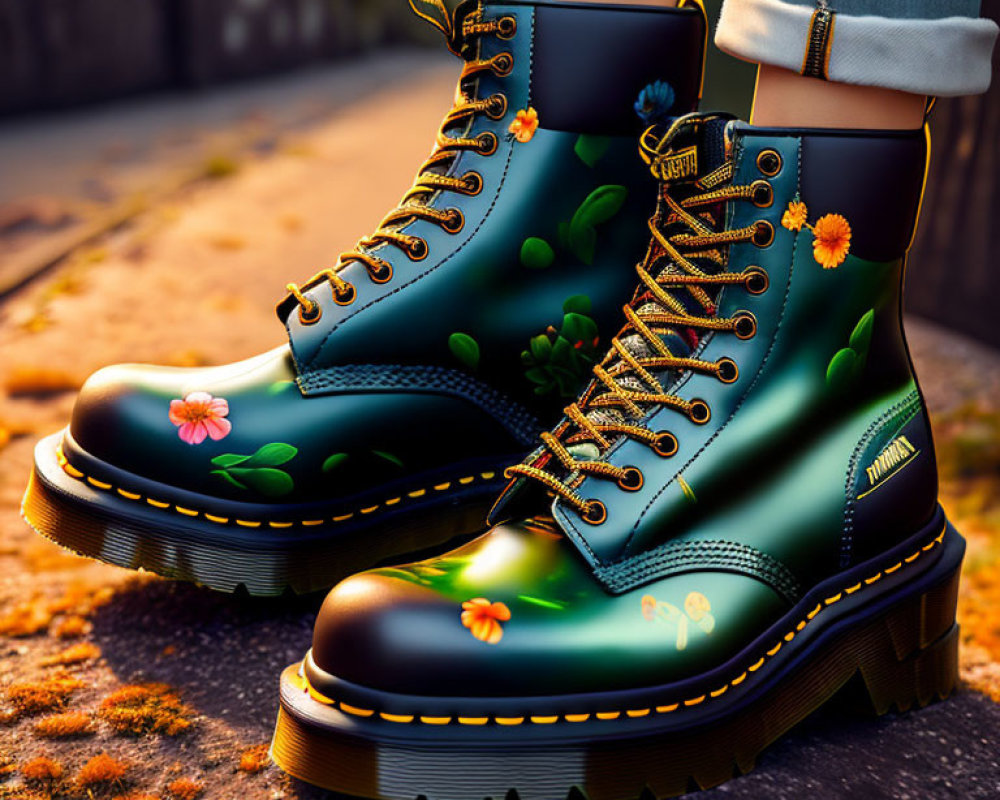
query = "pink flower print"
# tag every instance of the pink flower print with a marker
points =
(199, 416)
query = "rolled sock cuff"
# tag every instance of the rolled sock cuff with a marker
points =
(942, 57)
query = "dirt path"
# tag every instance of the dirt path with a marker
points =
(194, 281)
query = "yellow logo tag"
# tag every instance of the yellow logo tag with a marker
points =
(897, 454)
(672, 167)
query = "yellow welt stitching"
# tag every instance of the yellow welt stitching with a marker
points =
(396, 717)
(75, 473)
(435, 720)
(911, 559)
(509, 720)
(739, 679)
(281, 524)
(608, 714)
(835, 599)
(311, 522)
(874, 578)
(694, 701)
(854, 588)
(789, 636)
(667, 709)
(473, 720)
(577, 717)
(757, 666)
(893, 568)
(721, 691)
(775, 649)
(815, 611)
(638, 712)
(487, 476)
(544, 720)
(801, 625)
(358, 712)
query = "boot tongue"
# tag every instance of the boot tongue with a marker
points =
(685, 154)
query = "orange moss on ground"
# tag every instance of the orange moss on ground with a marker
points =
(25, 619)
(26, 379)
(72, 609)
(185, 789)
(34, 697)
(100, 772)
(42, 770)
(77, 654)
(146, 708)
(255, 759)
(70, 627)
(64, 726)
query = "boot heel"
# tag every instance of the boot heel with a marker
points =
(910, 656)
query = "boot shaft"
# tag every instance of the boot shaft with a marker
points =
(799, 433)
(549, 219)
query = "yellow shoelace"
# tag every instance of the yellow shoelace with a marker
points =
(698, 241)
(430, 178)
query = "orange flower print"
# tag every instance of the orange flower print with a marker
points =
(200, 416)
(696, 605)
(483, 619)
(525, 124)
(833, 240)
(795, 215)
(649, 607)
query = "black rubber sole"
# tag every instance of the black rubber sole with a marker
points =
(889, 638)
(130, 529)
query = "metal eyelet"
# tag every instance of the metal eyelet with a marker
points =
(769, 162)
(763, 233)
(755, 280)
(503, 64)
(762, 194)
(596, 512)
(506, 27)
(310, 319)
(488, 143)
(699, 412)
(665, 444)
(384, 274)
(346, 297)
(455, 221)
(631, 480)
(476, 180)
(496, 106)
(417, 250)
(744, 325)
(728, 372)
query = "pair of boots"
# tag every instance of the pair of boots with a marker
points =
(735, 518)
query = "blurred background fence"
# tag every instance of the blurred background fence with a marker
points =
(61, 53)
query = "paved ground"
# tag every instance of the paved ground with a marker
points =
(193, 280)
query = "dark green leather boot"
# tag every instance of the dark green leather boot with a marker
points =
(429, 358)
(735, 521)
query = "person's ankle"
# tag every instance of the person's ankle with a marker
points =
(785, 99)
